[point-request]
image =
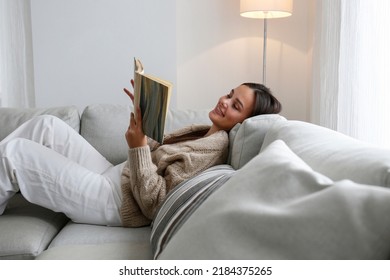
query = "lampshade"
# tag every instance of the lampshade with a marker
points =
(266, 8)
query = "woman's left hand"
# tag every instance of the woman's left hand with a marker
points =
(135, 135)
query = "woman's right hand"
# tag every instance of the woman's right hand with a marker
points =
(135, 136)
(128, 92)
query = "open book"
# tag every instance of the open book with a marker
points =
(152, 95)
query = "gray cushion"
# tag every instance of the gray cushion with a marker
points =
(26, 229)
(246, 139)
(11, 118)
(104, 126)
(82, 241)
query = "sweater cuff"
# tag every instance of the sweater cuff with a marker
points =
(140, 158)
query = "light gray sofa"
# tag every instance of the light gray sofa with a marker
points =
(292, 190)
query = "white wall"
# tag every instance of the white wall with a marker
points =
(83, 50)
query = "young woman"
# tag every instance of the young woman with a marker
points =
(53, 166)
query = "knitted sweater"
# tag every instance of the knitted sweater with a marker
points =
(152, 171)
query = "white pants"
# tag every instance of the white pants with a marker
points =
(55, 167)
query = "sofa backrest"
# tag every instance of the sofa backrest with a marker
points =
(104, 126)
(11, 118)
(334, 154)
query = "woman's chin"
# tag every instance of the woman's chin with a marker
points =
(213, 116)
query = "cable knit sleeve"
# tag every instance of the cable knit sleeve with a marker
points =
(142, 188)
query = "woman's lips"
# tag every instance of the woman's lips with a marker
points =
(218, 111)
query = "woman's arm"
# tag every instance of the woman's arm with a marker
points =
(142, 188)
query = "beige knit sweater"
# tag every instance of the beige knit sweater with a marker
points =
(152, 171)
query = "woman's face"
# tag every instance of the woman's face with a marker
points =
(233, 108)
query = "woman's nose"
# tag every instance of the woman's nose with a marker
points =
(224, 102)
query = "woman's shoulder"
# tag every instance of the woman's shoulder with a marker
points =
(221, 137)
(194, 136)
(218, 140)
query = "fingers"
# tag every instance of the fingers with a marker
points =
(129, 94)
(135, 136)
(139, 116)
(136, 122)
(127, 91)
(132, 120)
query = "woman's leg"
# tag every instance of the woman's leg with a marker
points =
(52, 180)
(57, 135)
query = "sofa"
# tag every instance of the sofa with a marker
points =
(289, 190)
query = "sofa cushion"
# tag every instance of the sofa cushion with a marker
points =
(334, 154)
(139, 250)
(11, 118)
(246, 138)
(93, 242)
(82, 234)
(104, 126)
(26, 229)
(277, 207)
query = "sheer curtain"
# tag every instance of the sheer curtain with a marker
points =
(351, 69)
(16, 60)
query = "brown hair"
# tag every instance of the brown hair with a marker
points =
(265, 102)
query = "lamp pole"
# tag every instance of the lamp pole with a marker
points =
(265, 51)
(266, 9)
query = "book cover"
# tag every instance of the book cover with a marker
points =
(152, 95)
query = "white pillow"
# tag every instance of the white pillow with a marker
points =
(334, 154)
(246, 138)
(277, 207)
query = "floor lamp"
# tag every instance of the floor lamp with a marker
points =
(265, 9)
